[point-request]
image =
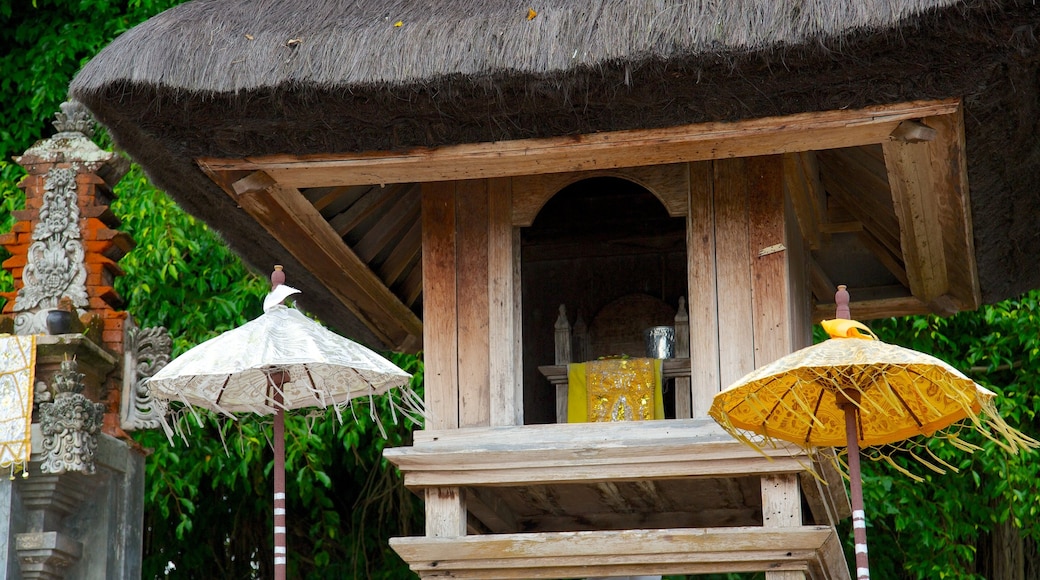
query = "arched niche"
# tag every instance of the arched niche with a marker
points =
(593, 242)
(670, 184)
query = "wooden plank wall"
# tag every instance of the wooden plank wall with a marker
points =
(469, 279)
(741, 254)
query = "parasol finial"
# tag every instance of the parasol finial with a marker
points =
(277, 277)
(841, 303)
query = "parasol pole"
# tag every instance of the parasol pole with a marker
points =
(277, 378)
(859, 521)
(850, 405)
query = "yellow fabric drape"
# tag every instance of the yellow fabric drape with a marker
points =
(626, 389)
(17, 374)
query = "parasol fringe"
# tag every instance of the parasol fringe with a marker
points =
(926, 463)
(888, 459)
(1010, 439)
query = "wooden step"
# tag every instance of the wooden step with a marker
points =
(583, 453)
(814, 550)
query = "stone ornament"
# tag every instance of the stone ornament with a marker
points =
(55, 266)
(74, 118)
(70, 424)
(147, 351)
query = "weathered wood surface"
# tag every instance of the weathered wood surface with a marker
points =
(441, 376)
(733, 269)
(702, 284)
(472, 286)
(586, 452)
(764, 136)
(610, 553)
(781, 508)
(769, 256)
(507, 397)
(298, 226)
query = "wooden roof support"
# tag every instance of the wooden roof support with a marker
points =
(928, 175)
(298, 226)
(917, 190)
(802, 186)
(801, 132)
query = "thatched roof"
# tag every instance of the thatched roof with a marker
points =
(234, 78)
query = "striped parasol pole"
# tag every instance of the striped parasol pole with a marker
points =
(850, 405)
(276, 379)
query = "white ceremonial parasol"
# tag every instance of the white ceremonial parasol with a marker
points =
(280, 361)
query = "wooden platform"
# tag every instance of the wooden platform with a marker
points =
(574, 500)
(814, 550)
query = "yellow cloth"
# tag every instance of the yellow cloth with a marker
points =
(17, 370)
(614, 390)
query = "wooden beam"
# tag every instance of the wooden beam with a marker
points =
(583, 453)
(702, 284)
(294, 222)
(802, 186)
(871, 309)
(507, 396)
(439, 266)
(919, 181)
(614, 553)
(733, 270)
(782, 508)
(445, 512)
(948, 151)
(608, 150)
(767, 248)
(471, 284)
(367, 205)
(404, 213)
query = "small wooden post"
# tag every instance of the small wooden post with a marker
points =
(683, 394)
(563, 357)
(782, 508)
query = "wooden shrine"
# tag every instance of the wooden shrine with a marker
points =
(445, 184)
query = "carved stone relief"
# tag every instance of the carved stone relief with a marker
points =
(70, 424)
(146, 352)
(55, 265)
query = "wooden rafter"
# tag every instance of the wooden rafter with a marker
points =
(801, 132)
(298, 226)
(928, 177)
(802, 186)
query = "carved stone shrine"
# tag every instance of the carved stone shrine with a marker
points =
(72, 371)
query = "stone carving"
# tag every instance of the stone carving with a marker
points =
(70, 424)
(55, 266)
(74, 118)
(147, 351)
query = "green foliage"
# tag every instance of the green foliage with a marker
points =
(208, 501)
(207, 507)
(937, 528)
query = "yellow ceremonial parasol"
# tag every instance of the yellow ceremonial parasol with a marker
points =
(854, 390)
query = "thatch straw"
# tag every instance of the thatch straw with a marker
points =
(233, 78)
(230, 46)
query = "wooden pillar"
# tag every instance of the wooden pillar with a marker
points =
(781, 508)
(445, 507)
(506, 382)
(741, 310)
(704, 315)
(769, 256)
(471, 285)
(440, 306)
